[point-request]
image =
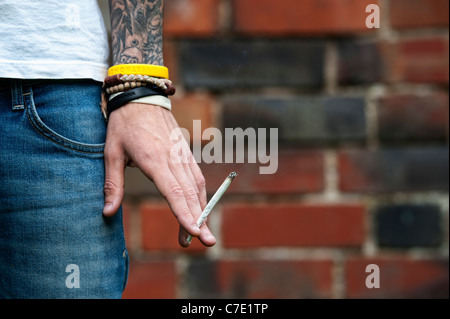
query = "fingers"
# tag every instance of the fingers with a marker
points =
(178, 186)
(200, 182)
(196, 179)
(180, 200)
(195, 175)
(114, 183)
(191, 194)
(153, 144)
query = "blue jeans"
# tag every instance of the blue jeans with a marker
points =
(54, 241)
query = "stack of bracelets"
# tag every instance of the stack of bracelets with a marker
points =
(137, 83)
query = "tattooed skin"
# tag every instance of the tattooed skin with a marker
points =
(137, 27)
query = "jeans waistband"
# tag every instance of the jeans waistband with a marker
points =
(6, 83)
(21, 87)
(18, 88)
(17, 95)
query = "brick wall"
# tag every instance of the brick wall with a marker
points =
(363, 174)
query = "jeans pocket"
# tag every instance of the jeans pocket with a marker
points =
(69, 125)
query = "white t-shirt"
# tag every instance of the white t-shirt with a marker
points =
(52, 39)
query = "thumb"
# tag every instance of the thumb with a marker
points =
(114, 185)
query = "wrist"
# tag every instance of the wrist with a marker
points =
(139, 83)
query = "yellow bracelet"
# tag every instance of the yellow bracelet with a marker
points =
(156, 71)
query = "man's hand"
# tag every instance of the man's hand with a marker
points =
(139, 135)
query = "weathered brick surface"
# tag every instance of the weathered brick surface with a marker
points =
(418, 13)
(312, 120)
(413, 118)
(265, 279)
(417, 60)
(392, 170)
(290, 225)
(197, 18)
(299, 172)
(307, 17)
(237, 64)
(151, 280)
(407, 226)
(160, 229)
(362, 168)
(194, 107)
(400, 277)
(360, 63)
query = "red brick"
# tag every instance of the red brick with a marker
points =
(293, 17)
(399, 278)
(292, 225)
(170, 50)
(191, 17)
(425, 60)
(151, 280)
(259, 279)
(194, 107)
(298, 172)
(160, 228)
(422, 60)
(419, 13)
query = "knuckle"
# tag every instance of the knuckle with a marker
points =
(175, 190)
(201, 181)
(110, 187)
(192, 194)
(111, 152)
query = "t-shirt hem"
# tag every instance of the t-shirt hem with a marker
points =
(52, 70)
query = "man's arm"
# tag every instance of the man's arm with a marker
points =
(137, 31)
(139, 135)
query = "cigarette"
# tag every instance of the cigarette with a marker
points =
(212, 203)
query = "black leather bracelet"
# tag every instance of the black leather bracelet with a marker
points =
(131, 95)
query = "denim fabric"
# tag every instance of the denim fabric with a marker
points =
(54, 241)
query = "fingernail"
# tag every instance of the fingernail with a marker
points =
(107, 208)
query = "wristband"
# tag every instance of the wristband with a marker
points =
(156, 71)
(131, 95)
(158, 100)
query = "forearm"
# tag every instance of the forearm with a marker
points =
(136, 29)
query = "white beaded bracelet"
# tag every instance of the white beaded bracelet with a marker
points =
(161, 83)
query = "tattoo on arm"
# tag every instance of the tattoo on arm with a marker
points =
(136, 27)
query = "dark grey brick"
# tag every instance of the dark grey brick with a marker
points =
(413, 118)
(391, 170)
(201, 279)
(138, 185)
(407, 226)
(359, 63)
(306, 120)
(221, 65)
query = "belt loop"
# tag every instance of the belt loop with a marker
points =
(17, 95)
